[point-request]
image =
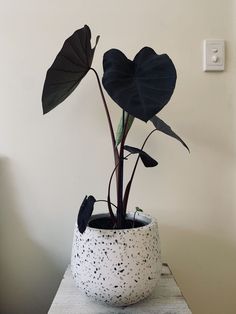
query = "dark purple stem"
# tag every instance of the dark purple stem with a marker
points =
(127, 190)
(110, 181)
(115, 150)
(105, 201)
(108, 116)
(120, 210)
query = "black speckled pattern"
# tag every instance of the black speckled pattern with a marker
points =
(117, 267)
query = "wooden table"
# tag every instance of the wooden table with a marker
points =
(165, 299)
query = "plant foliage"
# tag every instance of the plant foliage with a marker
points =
(85, 212)
(147, 160)
(141, 87)
(68, 69)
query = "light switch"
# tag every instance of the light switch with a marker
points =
(213, 55)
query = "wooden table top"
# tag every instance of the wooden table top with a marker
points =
(165, 299)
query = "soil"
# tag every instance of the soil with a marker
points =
(106, 223)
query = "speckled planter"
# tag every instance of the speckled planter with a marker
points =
(117, 267)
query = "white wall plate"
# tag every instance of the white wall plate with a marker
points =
(213, 55)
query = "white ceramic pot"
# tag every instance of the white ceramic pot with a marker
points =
(117, 267)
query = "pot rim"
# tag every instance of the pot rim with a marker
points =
(139, 216)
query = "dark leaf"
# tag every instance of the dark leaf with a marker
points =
(120, 128)
(141, 87)
(70, 66)
(85, 212)
(147, 160)
(161, 126)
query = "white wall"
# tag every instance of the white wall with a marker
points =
(48, 163)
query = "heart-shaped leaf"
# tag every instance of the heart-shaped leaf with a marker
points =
(85, 212)
(161, 126)
(68, 69)
(120, 128)
(141, 87)
(147, 160)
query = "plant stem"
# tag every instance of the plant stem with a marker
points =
(134, 219)
(120, 210)
(106, 202)
(109, 188)
(127, 190)
(106, 109)
(115, 150)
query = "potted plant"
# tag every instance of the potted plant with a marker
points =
(116, 255)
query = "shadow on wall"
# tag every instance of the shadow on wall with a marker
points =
(204, 267)
(27, 274)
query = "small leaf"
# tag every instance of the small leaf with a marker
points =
(161, 126)
(138, 209)
(70, 66)
(120, 128)
(85, 212)
(147, 160)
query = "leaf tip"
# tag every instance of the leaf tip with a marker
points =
(45, 111)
